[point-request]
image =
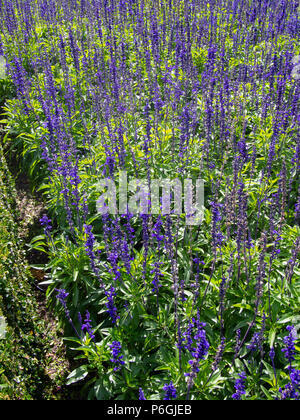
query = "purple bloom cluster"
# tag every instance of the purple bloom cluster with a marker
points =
(196, 342)
(111, 308)
(291, 391)
(116, 348)
(256, 342)
(87, 326)
(289, 341)
(219, 354)
(141, 395)
(170, 391)
(46, 224)
(195, 339)
(62, 296)
(240, 386)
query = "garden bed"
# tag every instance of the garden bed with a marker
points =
(109, 103)
(32, 355)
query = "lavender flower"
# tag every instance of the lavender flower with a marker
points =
(272, 357)
(219, 354)
(198, 346)
(272, 354)
(289, 341)
(202, 345)
(62, 295)
(170, 391)
(87, 325)
(89, 247)
(240, 386)
(46, 223)
(291, 391)
(255, 342)
(111, 308)
(141, 395)
(116, 356)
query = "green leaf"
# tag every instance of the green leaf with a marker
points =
(2, 328)
(272, 335)
(2, 67)
(77, 375)
(266, 392)
(101, 393)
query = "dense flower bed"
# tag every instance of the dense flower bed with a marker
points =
(155, 308)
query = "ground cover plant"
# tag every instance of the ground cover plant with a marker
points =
(25, 339)
(154, 307)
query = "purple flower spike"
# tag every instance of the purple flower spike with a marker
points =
(46, 223)
(289, 341)
(240, 386)
(86, 326)
(141, 395)
(170, 391)
(116, 357)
